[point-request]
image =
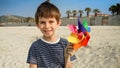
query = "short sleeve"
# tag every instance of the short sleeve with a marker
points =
(64, 42)
(32, 55)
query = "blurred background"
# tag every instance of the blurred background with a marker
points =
(97, 12)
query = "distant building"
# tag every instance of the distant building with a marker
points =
(99, 15)
(73, 17)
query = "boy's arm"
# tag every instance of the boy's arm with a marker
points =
(68, 63)
(69, 52)
(32, 65)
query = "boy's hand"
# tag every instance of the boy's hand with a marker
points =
(69, 50)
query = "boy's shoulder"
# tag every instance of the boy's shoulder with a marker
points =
(35, 43)
(63, 40)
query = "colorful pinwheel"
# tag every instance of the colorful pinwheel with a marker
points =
(79, 37)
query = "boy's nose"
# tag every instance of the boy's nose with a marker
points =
(47, 25)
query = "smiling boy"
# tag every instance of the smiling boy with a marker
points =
(49, 50)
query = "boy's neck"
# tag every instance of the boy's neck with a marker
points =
(50, 39)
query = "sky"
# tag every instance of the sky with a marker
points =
(27, 8)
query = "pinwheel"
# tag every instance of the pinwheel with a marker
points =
(79, 37)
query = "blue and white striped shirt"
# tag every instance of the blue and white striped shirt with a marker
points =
(47, 55)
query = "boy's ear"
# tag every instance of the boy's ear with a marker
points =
(59, 23)
(37, 25)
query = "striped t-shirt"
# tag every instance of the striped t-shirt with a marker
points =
(47, 55)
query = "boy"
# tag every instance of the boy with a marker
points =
(49, 51)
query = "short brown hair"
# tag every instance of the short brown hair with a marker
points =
(47, 10)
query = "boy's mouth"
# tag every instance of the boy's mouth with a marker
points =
(47, 31)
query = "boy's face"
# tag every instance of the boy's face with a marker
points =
(48, 26)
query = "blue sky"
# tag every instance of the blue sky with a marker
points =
(28, 7)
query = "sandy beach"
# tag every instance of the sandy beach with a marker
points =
(103, 50)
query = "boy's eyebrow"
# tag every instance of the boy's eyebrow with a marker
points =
(41, 21)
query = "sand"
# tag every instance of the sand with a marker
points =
(103, 50)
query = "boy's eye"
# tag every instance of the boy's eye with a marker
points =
(51, 22)
(42, 22)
